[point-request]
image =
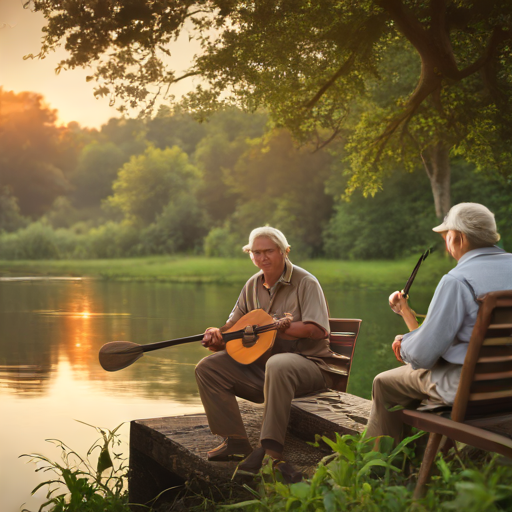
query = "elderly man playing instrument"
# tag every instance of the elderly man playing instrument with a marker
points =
(298, 363)
(434, 352)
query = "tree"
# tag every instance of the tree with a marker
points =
(10, 217)
(95, 173)
(274, 182)
(149, 182)
(31, 151)
(228, 134)
(310, 64)
(174, 128)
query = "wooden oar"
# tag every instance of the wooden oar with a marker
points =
(117, 355)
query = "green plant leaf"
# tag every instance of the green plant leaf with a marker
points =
(104, 460)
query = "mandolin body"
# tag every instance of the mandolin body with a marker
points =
(247, 351)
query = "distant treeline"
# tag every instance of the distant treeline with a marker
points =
(173, 185)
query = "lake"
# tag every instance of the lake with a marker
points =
(51, 332)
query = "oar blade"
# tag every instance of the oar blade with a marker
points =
(117, 355)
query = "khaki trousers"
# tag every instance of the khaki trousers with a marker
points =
(285, 376)
(400, 386)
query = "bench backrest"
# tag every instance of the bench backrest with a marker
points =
(485, 386)
(343, 337)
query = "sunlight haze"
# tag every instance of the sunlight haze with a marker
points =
(68, 92)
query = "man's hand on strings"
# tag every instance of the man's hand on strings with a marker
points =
(213, 340)
(397, 344)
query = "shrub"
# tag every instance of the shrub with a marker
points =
(357, 478)
(179, 228)
(113, 240)
(221, 243)
(35, 242)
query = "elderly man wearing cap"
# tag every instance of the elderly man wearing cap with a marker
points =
(434, 352)
(301, 361)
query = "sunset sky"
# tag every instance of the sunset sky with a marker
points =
(69, 93)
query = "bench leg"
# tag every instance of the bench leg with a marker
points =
(428, 459)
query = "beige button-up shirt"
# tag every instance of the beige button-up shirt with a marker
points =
(297, 292)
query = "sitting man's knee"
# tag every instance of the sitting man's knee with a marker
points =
(380, 382)
(206, 364)
(277, 363)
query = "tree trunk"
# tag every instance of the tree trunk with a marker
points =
(436, 160)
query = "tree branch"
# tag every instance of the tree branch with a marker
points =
(345, 68)
(410, 27)
(498, 36)
(186, 75)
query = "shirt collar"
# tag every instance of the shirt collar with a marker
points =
(480, 252)
(286, 276)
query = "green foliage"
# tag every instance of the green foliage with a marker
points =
(62, 214)
(10, 216)
(31, 151)
(397, 80)
(273, 183)
(179, 228)
(175, 128)
(394, 223)
(95, 172)
(84, 486)
(34, 242)
(113, 240)
(148, 182)
(227, 138)
(222, 243)
(358, 478)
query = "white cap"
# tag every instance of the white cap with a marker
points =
(474, 220)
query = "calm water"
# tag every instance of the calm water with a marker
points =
(50, 335)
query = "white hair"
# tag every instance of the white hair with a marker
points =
(274, 234)
(474, 220)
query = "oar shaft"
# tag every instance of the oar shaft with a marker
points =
(170, 343)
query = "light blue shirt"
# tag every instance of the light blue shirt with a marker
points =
(451, 316)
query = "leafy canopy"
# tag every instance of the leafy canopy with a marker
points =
(308, 62)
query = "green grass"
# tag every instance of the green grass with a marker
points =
(199, 269)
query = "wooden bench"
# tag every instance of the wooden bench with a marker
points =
(484, 395)
(343, 339)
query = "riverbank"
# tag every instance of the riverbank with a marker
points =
(375, 274)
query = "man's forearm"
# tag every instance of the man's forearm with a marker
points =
(305, 330)
(409, 317)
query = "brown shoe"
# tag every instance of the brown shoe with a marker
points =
(231, 448)
(289, 473)
(252, 464)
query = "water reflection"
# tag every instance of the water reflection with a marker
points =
(47, 322)
(26, 380)
(51, 332)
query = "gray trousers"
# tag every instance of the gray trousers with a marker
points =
(285, 376)
(400, 386)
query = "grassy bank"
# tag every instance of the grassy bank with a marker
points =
(374, 274)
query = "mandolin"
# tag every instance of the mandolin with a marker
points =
(246, 341)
